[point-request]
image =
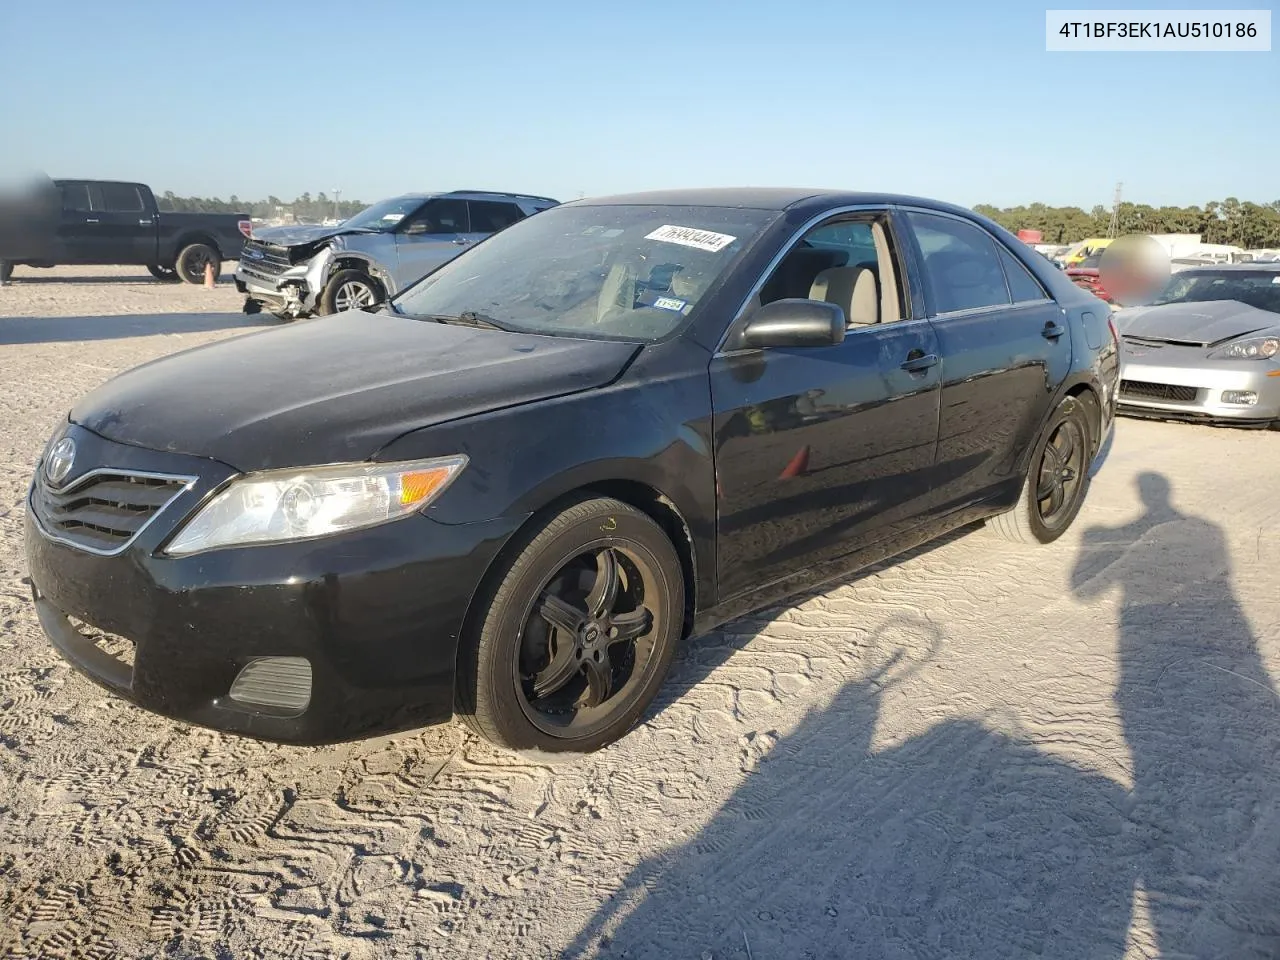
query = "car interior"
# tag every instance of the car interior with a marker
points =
(847, 263)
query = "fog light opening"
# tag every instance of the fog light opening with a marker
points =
(1241, 398)
(278, 684)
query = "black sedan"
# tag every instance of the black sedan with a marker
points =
(509, 492)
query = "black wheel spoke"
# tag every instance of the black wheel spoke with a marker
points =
(1047, 481)
(562, 668)
(599, 670)
(628, 626)
(1056, 498)
(1051, 452)
(604, 592)
(562, 615)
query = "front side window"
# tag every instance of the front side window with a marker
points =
(120, 198)
(961, 266)
(625, 272)
(442, 216)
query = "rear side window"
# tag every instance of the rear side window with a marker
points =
(490, 217)
(119, 198)
(961, 266)
(1022, 285)
(75, 197)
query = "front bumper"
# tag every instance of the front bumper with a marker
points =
(375, 613)
(1205, 391)
(296, 291)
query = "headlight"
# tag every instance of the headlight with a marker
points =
(1259, 348)
(298, 503)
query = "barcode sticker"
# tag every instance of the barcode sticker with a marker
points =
(692, 237)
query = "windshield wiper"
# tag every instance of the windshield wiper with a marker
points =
(468, 318)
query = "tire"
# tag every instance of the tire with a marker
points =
(191, 261)
(163, 274)
(343, 285)
(1070, 433)
(510, 647)
(6, 271)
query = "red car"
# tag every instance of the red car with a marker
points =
(1087, 275)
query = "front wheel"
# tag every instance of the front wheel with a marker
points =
(1057, 481)
(577, 634)
(349, 290)
(193, 260)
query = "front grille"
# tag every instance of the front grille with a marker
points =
(273, 262)
(104, 510)
(1168, 392)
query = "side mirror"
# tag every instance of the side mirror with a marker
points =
(417, 228)
(795, 323)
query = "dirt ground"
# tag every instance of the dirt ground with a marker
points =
(975, 751)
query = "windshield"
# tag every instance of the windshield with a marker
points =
(1259, 289)
(609, 272)
(384, 215)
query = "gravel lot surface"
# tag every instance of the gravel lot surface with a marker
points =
(977, 751)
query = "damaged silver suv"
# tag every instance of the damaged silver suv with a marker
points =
(299, 271)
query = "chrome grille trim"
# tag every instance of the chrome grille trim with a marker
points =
(45, 500)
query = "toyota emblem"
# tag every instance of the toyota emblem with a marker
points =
(61, 458)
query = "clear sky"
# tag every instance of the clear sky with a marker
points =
(958, 101)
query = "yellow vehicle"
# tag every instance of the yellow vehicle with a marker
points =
(1085, 248)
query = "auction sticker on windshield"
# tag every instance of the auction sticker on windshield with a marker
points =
(692, 237)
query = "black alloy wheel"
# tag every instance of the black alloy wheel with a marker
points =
(578, 632)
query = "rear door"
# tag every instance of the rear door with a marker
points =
(123, 228)
(1005, 347)
(822, 450)
(433, 235)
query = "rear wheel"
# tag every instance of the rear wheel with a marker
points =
(1057, 481)
(349, 290)
(576, 637)
(164, 274)
(194, 258)
(6, 271)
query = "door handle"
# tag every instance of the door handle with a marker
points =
(461, 240)
(90, 220)
(144, 223)
(920, 364)
(1052, 331)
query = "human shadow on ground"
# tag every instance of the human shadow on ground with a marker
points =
(25, 330)
(968, 841)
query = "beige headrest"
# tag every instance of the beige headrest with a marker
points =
(853, 289)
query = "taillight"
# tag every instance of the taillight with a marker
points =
(246, 227)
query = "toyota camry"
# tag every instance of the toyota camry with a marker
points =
(511, 490)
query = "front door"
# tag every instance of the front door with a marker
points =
(822, 450)
(435, 234)
(1005, 348)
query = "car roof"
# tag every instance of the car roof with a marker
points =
(768, 198)
(474, 195)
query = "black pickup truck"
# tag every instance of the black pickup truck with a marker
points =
(116, 222)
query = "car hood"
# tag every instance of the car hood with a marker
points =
(294, 235)
(336, 388)
(1194, 324)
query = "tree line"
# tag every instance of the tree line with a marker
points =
(305, 207)
(1245, 224)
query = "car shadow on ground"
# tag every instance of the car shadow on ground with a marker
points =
(23, 330)
(967, 841)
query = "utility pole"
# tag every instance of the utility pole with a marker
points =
(1114, 226)
(337, 195)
